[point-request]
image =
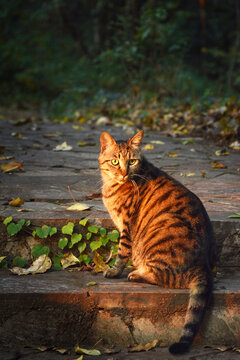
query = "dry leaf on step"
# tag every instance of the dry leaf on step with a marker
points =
(16, 202)
(11, 166)
(63, 147)
(78, 207)
(39, 266)
(146, 347)
(69, 260)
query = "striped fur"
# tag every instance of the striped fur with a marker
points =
(163, 227)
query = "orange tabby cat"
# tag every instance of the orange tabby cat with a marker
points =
(163, 227)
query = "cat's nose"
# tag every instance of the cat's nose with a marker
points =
(124, 173)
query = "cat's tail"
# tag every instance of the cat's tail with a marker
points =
(200, 293)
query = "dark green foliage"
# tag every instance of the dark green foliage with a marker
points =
(70, 53)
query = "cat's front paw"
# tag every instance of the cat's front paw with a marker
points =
(134, 276)
(112, 273)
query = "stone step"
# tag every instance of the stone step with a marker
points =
(60, 309)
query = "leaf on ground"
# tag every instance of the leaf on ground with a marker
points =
(39, 266)
(6, 157)
(236, 215)
(79, 358)
(63, 147)
(222, 152)
(77, 127)
(203, 174)
(11, 166)
(61, 351)
(148, 147)
(217, 165)
(2, 258)
(93, 196)
(187, 174)
(235, 145)
(78, 207)
(100, 265)
(172, 154)
(91, 352)
(85, 143)
(16, 202)
(188, 141)
(69, 260)
(159, 142)
(91, 283)
(146, 347)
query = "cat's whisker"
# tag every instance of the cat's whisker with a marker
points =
(141, 177)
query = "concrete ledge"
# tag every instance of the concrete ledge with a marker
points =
(59, 309)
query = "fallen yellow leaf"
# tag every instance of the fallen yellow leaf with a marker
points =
(146, 347)
(92, 352)
(148, 147)
(6, 157)
(16, 202)
(39, 266)
(78, 207)
(63, 147)
(69, 260)
(11, 166)
(172, 154)
(218, 165)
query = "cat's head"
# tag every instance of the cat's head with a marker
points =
(119, 161)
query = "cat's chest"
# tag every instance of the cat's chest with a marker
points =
(120, 207)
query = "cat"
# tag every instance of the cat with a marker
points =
(163, 227)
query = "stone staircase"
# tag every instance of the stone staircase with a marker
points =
(59, 308)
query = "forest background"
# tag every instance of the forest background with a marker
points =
(63, 55)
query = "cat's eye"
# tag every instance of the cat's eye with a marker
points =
(115, 162)
(132, 162)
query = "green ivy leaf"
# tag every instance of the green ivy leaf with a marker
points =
(7, 220)
(62, 243)
(39, 250)
(114, 249)
(12, 229)
(28, 223)
(56, 262)
(53, 231)
(34, 233)
(236, 215)
(75, 238)
(93, 229)
(94, 245)
(102, 231)
(82, 247)
(114, 235)
(43, 231)
(84, 258)
(19, 261)
(21, 222)
(68, 229)
(104, 240)
(88, 236)
(83, 222)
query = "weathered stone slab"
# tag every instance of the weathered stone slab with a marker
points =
(59, 309)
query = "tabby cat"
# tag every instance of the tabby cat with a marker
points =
(163, 227)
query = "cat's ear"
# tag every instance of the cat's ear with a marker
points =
(106, 141)
(136, 140)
